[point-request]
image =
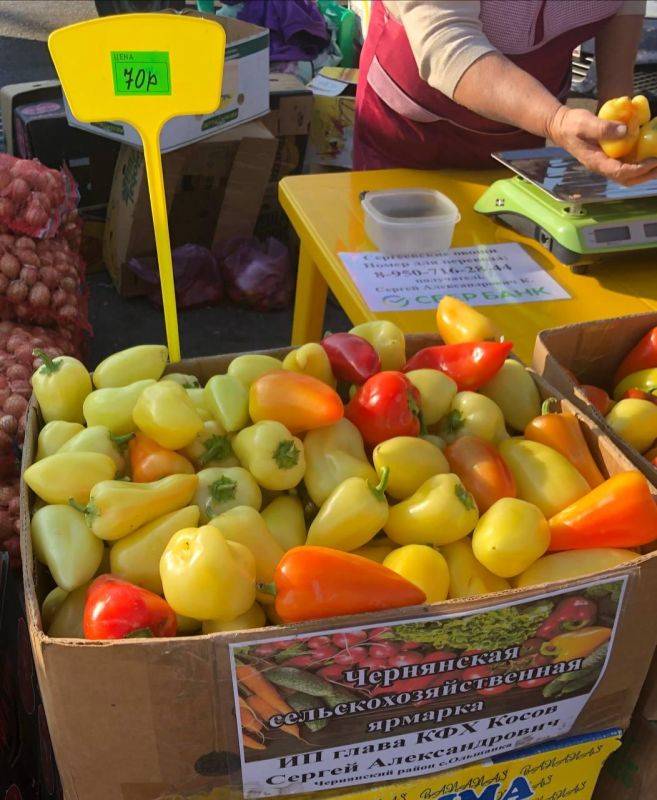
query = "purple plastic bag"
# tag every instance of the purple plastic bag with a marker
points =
(257, 275)
(196, 274)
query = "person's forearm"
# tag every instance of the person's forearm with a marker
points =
(616, 47)
(497, 89)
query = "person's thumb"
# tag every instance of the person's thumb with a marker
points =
(605, 128)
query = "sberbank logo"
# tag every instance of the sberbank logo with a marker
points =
(518, 789)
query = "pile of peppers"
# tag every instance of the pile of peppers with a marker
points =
(630, 408)
(344, 478)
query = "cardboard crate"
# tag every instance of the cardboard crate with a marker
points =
(244, 92)
(631, 771)
(331, 141)
(138, 720)
(214, 191)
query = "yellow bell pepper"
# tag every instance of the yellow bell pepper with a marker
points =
(473, 414)
(222, 488)
(228, 402)
(187, 626)
(410, 461)
(245, 526)
(250, 367)
(53, 435)
(51, 604)
(571, 564)
(66, 622)
(510, 536)
(514, 391)
(136, 557)
(98, 439)
(542, 475)
(197, 396)
(423, 566)
(253, 618)
(272, 454)
(185, 380)
(145, 361)
(63, 542)
(644, 379)
(631, 112)
(165, 414)
(311, 359)
(575, 644)
(117, 508)
(64, 476)
(286, 521)
(437, 391)
(468, 577)
(440, 512)
(387, 339)
(113, 407)
(333, 454)
(646, 146)
(211, 448)
(206, 577)
(377, 549)
(635, 421)
(351, 515)
(459, 322)
(60, 386)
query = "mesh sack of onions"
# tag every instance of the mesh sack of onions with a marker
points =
(34, 199)
(9, 517)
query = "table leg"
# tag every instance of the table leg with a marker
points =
(309, 301)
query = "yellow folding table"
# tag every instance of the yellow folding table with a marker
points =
(326, 213)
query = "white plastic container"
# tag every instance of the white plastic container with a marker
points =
(405, 221)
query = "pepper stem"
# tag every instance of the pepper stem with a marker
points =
(423, 428)
(50, 366)
(267, 588)
(380, 489)
(121, 441)
(549, 406)
(77, 506)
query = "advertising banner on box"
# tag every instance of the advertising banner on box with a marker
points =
(370, 704)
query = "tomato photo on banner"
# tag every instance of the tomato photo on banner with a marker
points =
(362, 705)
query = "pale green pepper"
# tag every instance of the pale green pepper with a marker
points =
(473, 414)
(113, 407)
(51, 605)
(165, 413)
(333, 454)
(311, 359)
(197, 396)
(644, 379)
(211, 448)
(61, 386)
(351, 515)
(145, 361)
(64, 476)
(437, 391)
(67, 620)
(286, 521)
(388, 341)
(63, 542)
(222, 488)
(53, 435)
(99, 439)
(228, 402)
(514, 391)
(248, 368)
(272, 454)
(185, 380)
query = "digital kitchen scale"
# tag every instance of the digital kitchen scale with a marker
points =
(575, 214)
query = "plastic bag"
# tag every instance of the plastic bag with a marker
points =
(257, 275)
(34, 199)
(42, 282)
(196, 274)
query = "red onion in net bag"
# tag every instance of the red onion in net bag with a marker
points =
(257, 275)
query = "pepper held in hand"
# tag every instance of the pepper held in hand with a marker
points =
(319, 582)
(386, 405)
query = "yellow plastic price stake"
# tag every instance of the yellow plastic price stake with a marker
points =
(143, 69)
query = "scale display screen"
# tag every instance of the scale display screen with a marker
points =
(650, 229)
(606, 235)
(564, 178)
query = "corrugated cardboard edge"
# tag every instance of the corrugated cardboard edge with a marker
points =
(94, 692)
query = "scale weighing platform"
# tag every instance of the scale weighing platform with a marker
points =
(575, 214)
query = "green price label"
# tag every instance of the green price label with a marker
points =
(139, 72)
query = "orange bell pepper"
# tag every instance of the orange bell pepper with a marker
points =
(318, 582)
(620, 512)
(632, 112)
(562, 432)
(298, 401)
(481, 469)
(150, 462)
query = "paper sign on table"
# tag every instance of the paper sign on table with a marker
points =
(486, 275)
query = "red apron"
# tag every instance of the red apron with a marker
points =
(401, 121)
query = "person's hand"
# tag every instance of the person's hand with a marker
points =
(579, 132)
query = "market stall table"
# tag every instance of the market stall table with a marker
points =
(326, 213)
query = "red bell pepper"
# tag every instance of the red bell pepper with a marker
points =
(385, 406)
(352, 358)
(469, 364)
(568, 615)
(597, 397)
(317, 582)
(642, 356)
(116, 609)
